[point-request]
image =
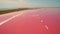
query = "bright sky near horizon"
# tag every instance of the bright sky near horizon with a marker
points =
(28, 3)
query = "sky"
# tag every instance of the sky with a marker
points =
(12, 4)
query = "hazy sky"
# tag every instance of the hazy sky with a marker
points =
(28, 3)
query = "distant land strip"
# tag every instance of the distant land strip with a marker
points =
(13, 10)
